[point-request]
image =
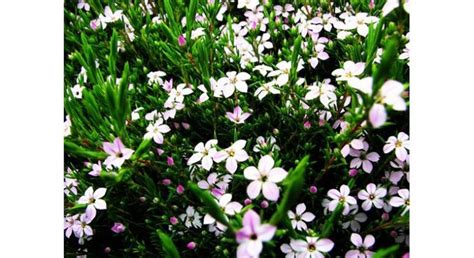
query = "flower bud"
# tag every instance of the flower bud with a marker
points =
(170, 161)
(159, 151)
(393, 233)
(142, 199)
(264, 204)
(118, 227)
(313, 189)
(353, 172)
(166, 181)
(156, 200)
(307, 124)
(385, 216)
(107, 250)
(173, 220)
(247, 201)
(191, 245)
(181, 40)
(180, 189)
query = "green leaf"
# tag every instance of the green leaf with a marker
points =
(190, 17)
(168, 246)
(384, 253)
(79, 151)
(213, 208)
(170, 15)
(389, 57)
(142, 149)
(330, 223)
(113, 56)
(293, 190)
(294, 59)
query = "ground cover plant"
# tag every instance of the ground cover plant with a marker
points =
(236, 128)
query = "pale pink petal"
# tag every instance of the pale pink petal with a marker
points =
(270, 191)
(300, 208)
(277, 175)
(367, 166)
(397, 202)
(377, 115)
(231, 164)
(265, 164)
(401, 153)
(265, 232)
(99, 193)
(207, 163)
(308, 216)
(251, 173)
(369, 241)
(363, 195)
(100, 204)
(253, 189)
(356, 239)
(366, 205)
(324, 245)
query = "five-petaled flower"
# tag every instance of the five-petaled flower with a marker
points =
(238, 116)
(373, 196)
(232, 155)
(341, 197)
(264, 179)
(252, 235)
(299, 218)
(118, 153)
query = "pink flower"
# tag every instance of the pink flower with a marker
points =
(69, 223)
(94, 24)
(264, 179)
(401, 144)
(118, 153)
(373, 195)
(96, 169)
(215, 186)
(118, 228)
(204, 153)
(299, 218)
(237, 116)
(341, 197)
(252, 235)
(181, 40)
(229, 208)
(312, 247)
(362, 246)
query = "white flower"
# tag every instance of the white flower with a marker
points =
(233, 81)
(264, 179)
(266, 88)
(93, 200)
(155, 77)
(229, 208)
(373, 196)
(349, 72)
(265, 145)
(362, 246)
(362, 158)
(403, 200)
(197, 33)
(283, 72)
(179, 93)
(299, 218)
(288, 250)
(156, 131)
(191, 218)
(249, 4)
(204, 153)
(341, 197)
(313, 247)
(401, 144)
(67, 126)
(324, 91)
(234, 154)
(110, 16)
(262, 69)
(77, 91)
(360, 21)
(390, 95)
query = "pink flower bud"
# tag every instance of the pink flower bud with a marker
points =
(353, 172)
(176, 125)
(180, 189)
(173, 220)
(181, 41)
(247, 201)
(322, 122)
(406, 255)
(191, 245)
(142, 199)
(385, 216)
(313, 189)
(166, 181)
(94, 24)
(185, 125)
(170, 161)
(107, 250)
(118, 227)
(371, 4)
(159, 151)
(393, 233)
(307, 124)
(264, 204)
